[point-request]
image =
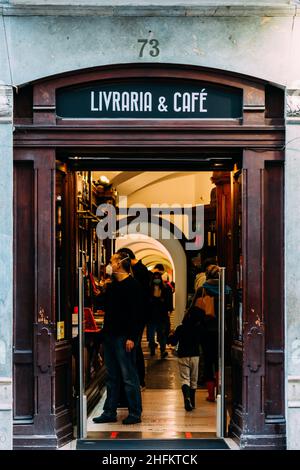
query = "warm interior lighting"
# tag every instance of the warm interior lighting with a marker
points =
(104, 179)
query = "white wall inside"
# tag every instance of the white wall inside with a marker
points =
(173, 188)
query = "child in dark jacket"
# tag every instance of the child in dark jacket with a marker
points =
(188, 335)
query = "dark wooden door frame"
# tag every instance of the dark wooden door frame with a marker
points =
(259, 136)
(260, 421)
(42, 420)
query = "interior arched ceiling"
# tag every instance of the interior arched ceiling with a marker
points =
(129, 183)
(144, 180)
(153, 260)
(150, 253)
(162, 250)
(147, 249)
(111, 175)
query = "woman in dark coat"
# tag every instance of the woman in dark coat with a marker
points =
(210, 339)
(189, 335)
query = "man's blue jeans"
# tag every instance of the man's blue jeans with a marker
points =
(121, 364)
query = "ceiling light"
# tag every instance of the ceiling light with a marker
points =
(104, 179)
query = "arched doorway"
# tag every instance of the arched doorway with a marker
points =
(170, 248)
(253, 135)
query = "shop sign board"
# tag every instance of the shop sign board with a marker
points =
(149, 99)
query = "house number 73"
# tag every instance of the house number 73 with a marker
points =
(152, 48)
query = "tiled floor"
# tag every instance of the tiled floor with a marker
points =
(164, 415)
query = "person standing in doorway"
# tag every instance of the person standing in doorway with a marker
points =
(142, 275)
(122, 303)
(210, 339)
(159, 268)
(201, 276)
(159, 315)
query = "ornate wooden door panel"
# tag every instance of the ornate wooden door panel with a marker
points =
(273, 301)
(260, 421)
(24, 291)
(34, 326)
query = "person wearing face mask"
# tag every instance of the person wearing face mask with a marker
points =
(122, 303)
(160, 306)
(169, 291)
(109, 270)
(142, 275)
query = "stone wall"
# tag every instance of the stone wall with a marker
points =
(292, 265)
(6, 280)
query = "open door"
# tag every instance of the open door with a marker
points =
(79, 259)
(229, 252)
(64, 295)
(234, 310)
(221, 424)
(42, 402)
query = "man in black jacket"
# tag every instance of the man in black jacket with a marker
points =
(122, 303)
(143, 276)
